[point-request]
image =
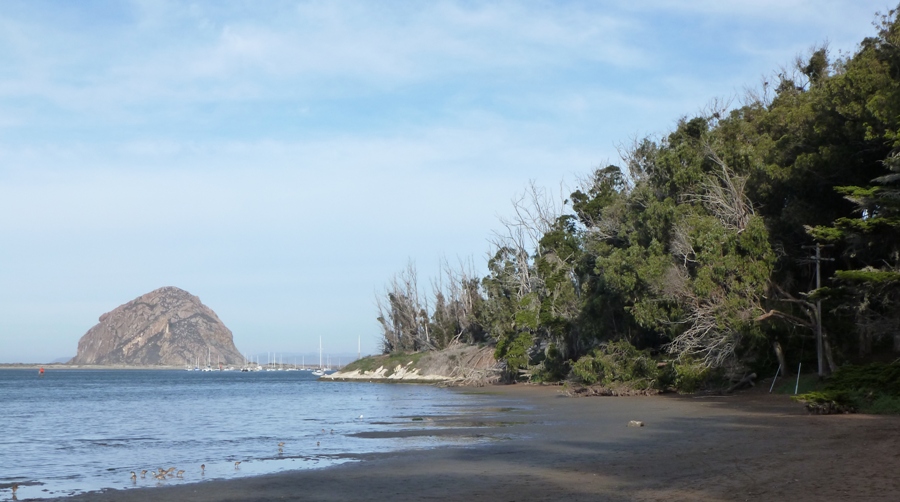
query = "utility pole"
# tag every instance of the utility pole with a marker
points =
(820, 348)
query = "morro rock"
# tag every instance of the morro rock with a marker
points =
(166, 327)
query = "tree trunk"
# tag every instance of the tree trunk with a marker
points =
(865, 341)
(829, 357)
(780, 355)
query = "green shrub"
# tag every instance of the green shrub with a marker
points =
(871, 388)
(586, 370)
(514, 350)
(881, 405)
(551, 366)
(616, 362)
(689, 376)
(876, 377)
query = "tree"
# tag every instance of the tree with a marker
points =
(402, 316)
(871, 290)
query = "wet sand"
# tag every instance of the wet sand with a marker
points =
(741, 447)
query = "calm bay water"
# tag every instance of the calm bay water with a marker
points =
(81, 430)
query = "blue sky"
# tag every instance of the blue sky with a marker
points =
(281, 160)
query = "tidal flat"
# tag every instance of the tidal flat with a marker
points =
(750, 446)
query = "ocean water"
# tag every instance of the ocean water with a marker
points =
(72, 431)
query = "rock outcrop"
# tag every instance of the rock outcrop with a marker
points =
(166, 327)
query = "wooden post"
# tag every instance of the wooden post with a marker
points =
(820, 347)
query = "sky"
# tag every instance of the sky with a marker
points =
(281, 160)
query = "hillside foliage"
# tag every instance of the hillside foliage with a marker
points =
(694, 248)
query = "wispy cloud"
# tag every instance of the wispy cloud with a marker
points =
(246, 150)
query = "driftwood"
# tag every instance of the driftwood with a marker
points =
(747, 381)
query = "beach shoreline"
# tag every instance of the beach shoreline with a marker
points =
(750, 446)
(67, 366)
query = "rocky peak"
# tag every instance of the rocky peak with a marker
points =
(168, 327)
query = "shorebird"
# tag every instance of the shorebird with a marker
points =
(202, 468)
(317, 443)
(170, 469)
(160, 476)
(144, 473)
(14, 487)
(236, 464)
(133, 476)
(281, 444)
(180, 473)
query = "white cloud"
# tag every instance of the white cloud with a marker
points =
(249, 151)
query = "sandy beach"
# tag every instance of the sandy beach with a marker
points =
(751, 446)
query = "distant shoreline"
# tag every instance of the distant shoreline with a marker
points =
(65, 366)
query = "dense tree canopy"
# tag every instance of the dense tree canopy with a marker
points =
(693, 248)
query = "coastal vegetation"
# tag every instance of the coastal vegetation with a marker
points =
(695, 258)
(870, 388)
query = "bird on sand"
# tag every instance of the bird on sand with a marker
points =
(236, 464)
(14, 487)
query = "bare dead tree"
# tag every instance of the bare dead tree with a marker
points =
(456, 293)
(761, 96)
(514, 244)
(402, 315)
(724, 195)
(713, 326)
(681, 245)
(704, 338)
(716, 110)
(534, 214)
(638, 155)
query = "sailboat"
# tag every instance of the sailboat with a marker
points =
(319, 371)
(208, 360)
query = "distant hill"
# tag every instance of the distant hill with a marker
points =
(167, 327)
